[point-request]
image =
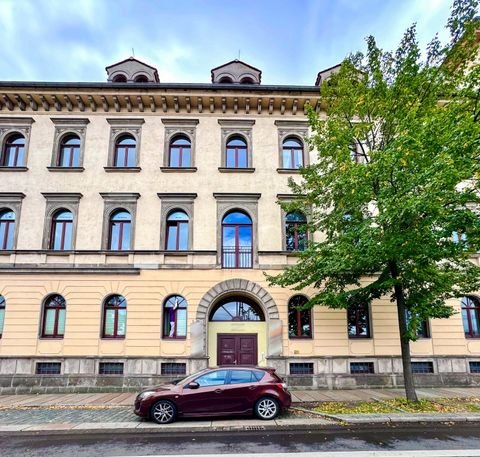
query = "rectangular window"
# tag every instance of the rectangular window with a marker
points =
(475, 367)
(358, 322)
(175, 369)
(362, 368)
(110, 368)
(301, 368)
(422, 367)
(48, 368)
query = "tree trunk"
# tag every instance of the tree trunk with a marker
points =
(410, 392)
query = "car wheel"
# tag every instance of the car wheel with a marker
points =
(163, 412)
(267, 408)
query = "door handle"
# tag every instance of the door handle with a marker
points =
(252, 387)
(218, 391)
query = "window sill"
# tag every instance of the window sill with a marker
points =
(55, 252)
(110, 338)
(360, 338)
(178, 169)
(235, 170)
(122, 169)
(13, 168)
(288, 170)
(66, 169)
(300, 337)
(172, 338)
(46, 337)
(472, 337)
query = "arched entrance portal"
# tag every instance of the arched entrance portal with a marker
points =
(237, 344)
(237, 307)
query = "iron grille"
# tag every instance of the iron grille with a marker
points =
(422, 367)
(301, 368)
(110, 368)
(362, 368)
(475, 367)
(48, 368)
(171, 368)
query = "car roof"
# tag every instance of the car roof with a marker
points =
(244, 367)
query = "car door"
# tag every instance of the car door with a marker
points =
(208, 397)
(240, 390)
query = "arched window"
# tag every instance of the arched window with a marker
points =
(295, 231)
(53, 325)
(471, 316)
(225, 80)
(175, 317)
(120, 79)
(2, 314)
(141, 79)
(7, 229)
(180, 152)
(69, 153)
(236, 153)
(299, 321)
(358, 321)
(177, 231)
(62, 231)
(237, 243)
(114, 317)
(13, 152)
(120, 231)
(292, 152)
(125, 152)
(247, 80)
(236, 309)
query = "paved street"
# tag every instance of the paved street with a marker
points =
(414, 440)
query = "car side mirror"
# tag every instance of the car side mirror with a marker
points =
(193, 385)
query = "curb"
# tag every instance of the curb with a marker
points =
(187, 427)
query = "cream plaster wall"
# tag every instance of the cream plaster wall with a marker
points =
(150, 180)
(145, 293)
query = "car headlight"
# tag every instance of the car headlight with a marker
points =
(143, 395)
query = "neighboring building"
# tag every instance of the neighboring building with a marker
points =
(136, 221)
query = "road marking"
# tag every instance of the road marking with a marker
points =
(381, 453)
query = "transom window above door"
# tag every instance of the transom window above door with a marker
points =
(237, 310)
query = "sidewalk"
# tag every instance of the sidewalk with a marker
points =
(112, 412)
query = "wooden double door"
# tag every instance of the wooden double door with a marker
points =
(236, 349)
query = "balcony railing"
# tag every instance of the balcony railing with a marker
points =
(237, 257)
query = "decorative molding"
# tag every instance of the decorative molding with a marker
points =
(242, 286)
(13, 201)
(174, 127)
(66, 126)
(170, 202)
(22, 125)
(236, 196)
(178, 169)
(124, 126)
(235, 170)
(232, 127)
(54, 202)
(112, 202)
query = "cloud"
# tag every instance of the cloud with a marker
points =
(290, 40)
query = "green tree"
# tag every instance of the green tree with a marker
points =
(394, 192)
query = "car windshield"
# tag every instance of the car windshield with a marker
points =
(190, 378)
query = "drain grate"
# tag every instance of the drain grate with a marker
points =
(254, 427)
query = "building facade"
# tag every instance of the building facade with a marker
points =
(137, 219)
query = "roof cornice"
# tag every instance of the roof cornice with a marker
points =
(77, 98)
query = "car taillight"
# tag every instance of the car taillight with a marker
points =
(282, 385)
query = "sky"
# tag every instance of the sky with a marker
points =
(289, 40)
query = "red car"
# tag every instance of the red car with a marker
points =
(216, 392)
